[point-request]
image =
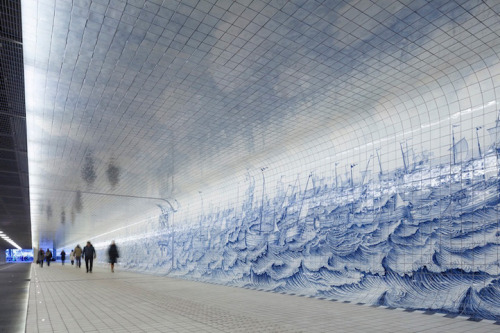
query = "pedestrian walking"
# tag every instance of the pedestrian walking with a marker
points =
(78, 255)
(89, 255)
(41, 257)
(72, 257)
(113, 255)
(48, 256)
(63, 256)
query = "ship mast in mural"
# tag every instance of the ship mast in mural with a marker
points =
(459, 149)
(495, 133)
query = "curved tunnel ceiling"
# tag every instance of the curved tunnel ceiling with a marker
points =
(132, 102)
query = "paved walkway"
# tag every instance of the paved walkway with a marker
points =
(66, 299)
(14, 287)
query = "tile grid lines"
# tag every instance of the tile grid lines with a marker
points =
(71, 301)
(425, 312)
(147, 75)
(142, 314)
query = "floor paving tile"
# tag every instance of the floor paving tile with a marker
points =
(62, 297)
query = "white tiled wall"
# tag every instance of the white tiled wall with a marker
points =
(410, 228)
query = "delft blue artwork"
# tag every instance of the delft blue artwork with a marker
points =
(425, 236)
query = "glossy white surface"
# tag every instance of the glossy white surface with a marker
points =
(317, 146)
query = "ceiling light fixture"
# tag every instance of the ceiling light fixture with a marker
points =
(7, 239)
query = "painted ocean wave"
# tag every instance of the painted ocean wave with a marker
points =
(428, 240)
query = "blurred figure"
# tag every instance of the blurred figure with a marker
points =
(63, 256)
(48, 256)
(72, 257)
(89, 255)
(41, 257)
(113, 255)
(78, 255)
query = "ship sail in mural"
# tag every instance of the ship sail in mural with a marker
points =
(460, 151)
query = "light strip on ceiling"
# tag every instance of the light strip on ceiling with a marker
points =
(7, 239)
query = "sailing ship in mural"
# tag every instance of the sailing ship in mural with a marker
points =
(421, 237)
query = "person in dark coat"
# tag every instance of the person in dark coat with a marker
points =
(89, 256)
(63, 256)
(113, 255)
(41, 257)
(48, 256)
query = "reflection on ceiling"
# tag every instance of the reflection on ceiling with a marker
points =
(134, 104)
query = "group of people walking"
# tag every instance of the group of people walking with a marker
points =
(44, 256)
(88, 253)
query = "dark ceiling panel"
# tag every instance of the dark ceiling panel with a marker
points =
(6, 142)
(10, 16)
(14, 184)
(9, 179)
(8, 166)
(10, 192)
(7, 155)
(5, 127)
(19, 133)
(13, 201)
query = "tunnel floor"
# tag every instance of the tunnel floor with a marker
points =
(67, 299)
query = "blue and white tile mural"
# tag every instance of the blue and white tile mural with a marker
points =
(424, 235)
